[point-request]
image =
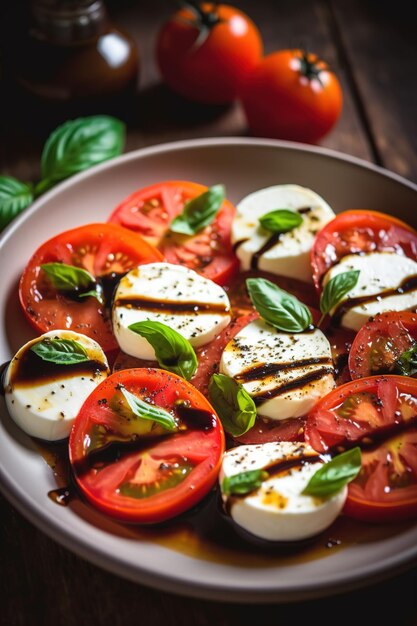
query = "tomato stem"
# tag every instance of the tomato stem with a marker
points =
(204, 19)
(309, 67)
(321, 320)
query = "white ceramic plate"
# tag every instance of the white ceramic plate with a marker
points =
(243, 165)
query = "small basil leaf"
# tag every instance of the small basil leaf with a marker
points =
(280, 220)
(60, 351)
(173, 352)
(147, 411)
(336, 289)
(199, 212)
(406, 364)
(335, 474)
(79, 144)
(68, 278)
(14, 197)
(94, 293)
(277, 307)
(245, 482)
(233, 404)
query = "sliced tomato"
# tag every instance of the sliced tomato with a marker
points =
(266, 430)
(150, 211)
(139, 478)
(380, 343)
(386, 488)
(356, 231)
(380, 415)
(107, 251)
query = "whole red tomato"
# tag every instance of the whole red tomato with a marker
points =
(206, 51)
(292, 95)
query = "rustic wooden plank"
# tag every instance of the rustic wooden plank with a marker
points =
(381, 44)
(46, 585)
(164, 117)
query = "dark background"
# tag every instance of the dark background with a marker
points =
(372, 48)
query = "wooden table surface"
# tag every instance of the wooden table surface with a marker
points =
(372, 47)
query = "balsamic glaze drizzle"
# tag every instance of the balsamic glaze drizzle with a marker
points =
(172, 306)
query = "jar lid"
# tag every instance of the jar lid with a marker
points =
(67, 21)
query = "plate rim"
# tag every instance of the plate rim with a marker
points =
(42, 520)
(185, 144)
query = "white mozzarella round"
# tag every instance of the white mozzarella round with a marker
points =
(46, 405)
(380, 272)
(294, 370)
(278, 511)
(174, 295)
(290, 255)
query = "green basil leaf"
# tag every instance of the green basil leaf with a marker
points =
(79, 144)
(336, 289)
(233, 404)
(277, 307)
(68, 278)
(14, 197)
(245, 482)
(94, 293)
(199, 212)
(280, 220)
(406, 364)
(147, 411)
(60, 351)
(335, 474)
(173, 352)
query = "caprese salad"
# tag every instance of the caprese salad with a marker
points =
(268, 351)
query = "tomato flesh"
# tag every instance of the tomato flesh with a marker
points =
(104, 250)
(357, 231)
(150, 211)
(381, 342)
(151, 477)
(380, 415)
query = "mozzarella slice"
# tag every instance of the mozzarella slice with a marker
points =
(44, 398)
(387, 282)
(285, 373)
(287, 254)
(278, 511)
(192, 305)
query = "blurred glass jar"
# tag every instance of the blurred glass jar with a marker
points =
(73, 58)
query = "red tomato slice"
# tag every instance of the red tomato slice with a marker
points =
(266, 430)
(356, 231)
(380, 342)
(138, 478)
(379, 414)
(149, 211)
(104, 250)
(386, 488)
